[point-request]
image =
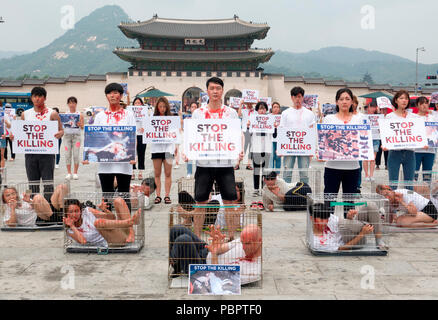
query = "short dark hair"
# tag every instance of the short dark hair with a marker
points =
(72, 99)
(320, 210)
(56, 109)
(338, 96)
(114, 87)
(39, 91)
(296, 91)
(421, 100)
(215, 80)
(138, 98)
(398, 95)
(150, 182)
(271, 175)
(261, 104)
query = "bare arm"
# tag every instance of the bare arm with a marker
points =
(365, 230)
(12, 222)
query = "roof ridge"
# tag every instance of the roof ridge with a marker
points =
(194, 21)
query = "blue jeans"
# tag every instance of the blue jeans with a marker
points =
(303, 163)
(274, 161)
(189, 168)
(396, 158)
(427, 160)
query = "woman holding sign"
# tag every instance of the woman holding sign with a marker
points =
(72, 137)
(162, 155)
(115, 115)
(422, 156)
(405, 157)
(141, 147)
(342, 172)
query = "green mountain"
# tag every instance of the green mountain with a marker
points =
(349, 64)
(86, 49)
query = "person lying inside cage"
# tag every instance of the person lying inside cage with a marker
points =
(416, 211)
(28, 211)
(331, 233)
(214, 209)
(186, 248)
(101, 228)
(146, 188)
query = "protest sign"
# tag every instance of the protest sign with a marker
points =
(34, 137)
(161, 129)
(328, 108)
(261, 123)
(125, 89)
(213, 279)
(235, 102)
(432, 134)
(212, 139)
(175, 106)
(434, 97)
(384, 102)
(402, 134)
(10, 112)
(310, 101)
(267, 100)
(204, 97)
(109, 144)
(139, 112)
(296, 141)
(373, 121)
(250, 96)
(70, 122)
(345, 142)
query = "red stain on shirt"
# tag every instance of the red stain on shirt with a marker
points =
(117, 116)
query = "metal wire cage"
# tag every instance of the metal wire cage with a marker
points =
(242, 232)
(300, 183)
(413, 205)
(104, 223)
(32, 206)
(348, 224)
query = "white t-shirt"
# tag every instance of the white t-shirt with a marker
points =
(120, 118)
(293, 118)
(26, 215)
(250, 271)
(331, 238)
(31, 115)
(343, 165)
(223, 113)
(411, 196)
(89, 231)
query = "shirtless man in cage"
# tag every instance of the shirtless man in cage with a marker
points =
(101, 228)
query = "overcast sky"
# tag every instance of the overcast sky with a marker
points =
(400, 26)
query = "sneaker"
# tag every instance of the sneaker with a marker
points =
(56, 166)
(188, 176)
(68, 177)
(372, 179)
(256, 193)
(75, 177)
(176, 166)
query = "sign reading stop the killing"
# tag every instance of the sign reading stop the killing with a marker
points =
(261, 123)
(250, 96)
(161, 129)
(405, 134)
(296, 141)
(212, 139)
(35, 137)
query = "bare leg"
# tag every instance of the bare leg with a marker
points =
(123, 213)
(69, 168)
(365, 168)
(76, 168)
(157, 171)
(113, 230)
(42, 207)
(420, 220)
(58, 195)
(167, 177)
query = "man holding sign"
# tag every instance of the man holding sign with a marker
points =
(40, 165)
(295, 117)
(220, 171)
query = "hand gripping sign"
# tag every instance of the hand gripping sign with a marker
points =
(161, 129)
(405, 134)
(296, 141)
(212, 139)
(35, 137)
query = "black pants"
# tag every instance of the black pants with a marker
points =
(379, 156)
(107, 182)
(259, 162)
(39, 166)
(9, 141)
(141, 150)
(185, 248)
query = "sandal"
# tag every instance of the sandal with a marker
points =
(248, 167)
(157, 200)
(167, 200)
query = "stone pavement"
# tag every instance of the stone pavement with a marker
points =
(34, 265)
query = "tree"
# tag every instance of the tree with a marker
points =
(367, 78)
